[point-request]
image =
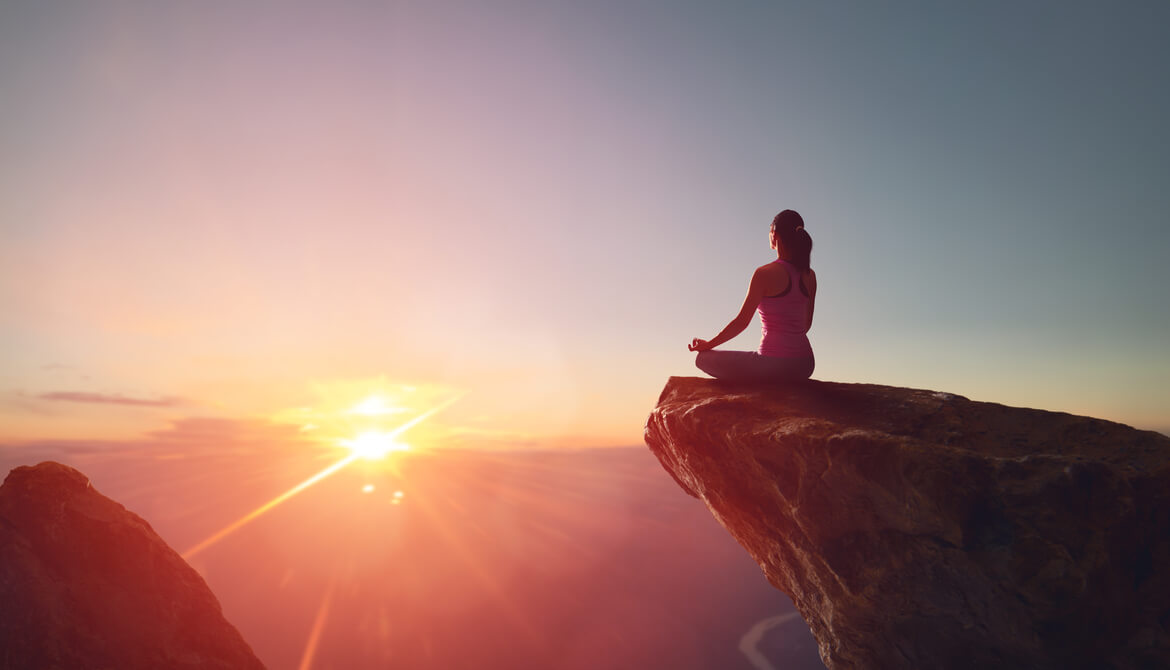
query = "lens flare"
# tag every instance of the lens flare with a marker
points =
(375, 405)
(373, 445)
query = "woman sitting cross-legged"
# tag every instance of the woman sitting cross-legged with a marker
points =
(783, 291)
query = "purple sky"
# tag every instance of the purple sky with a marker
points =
(219, 210)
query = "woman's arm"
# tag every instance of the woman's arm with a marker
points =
(812, 294)
(741, 320)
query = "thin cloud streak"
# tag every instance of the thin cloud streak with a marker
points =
(199, 430)
(110, 399)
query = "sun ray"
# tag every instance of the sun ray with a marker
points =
(250, 516)
(425, 415)
(486, 580)
(259, 511)
(315, 632)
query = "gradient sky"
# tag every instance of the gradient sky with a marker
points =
(222, 214)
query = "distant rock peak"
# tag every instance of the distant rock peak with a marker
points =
(85, 583)
(48, 474)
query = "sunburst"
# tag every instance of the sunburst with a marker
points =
(373, 445)
(369, 445)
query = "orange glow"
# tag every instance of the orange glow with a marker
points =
(375, 405)
(374, 446)
(366, 415)
(250, 516)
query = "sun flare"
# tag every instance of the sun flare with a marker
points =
(373, 445)
(368, 445)
(374, 405)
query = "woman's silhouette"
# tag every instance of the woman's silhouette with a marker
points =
(784, 292)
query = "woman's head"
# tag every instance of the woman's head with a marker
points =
(790, 238)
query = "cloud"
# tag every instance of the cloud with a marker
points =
(22, 401)
(110, 399)
(64, 370)
(216, 430)
(58, 366)
(192, 431)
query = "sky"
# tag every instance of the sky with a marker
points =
(232, 219)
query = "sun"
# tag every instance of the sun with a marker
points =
(368, 445)
(372, 445)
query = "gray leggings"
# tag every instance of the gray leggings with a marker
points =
(749, 366)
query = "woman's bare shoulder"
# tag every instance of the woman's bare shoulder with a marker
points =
(771, 277)
(770, 273)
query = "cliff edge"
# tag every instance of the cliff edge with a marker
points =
(916, 529)
(85, 583)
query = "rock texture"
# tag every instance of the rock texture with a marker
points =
(916, 529)
(84, 583)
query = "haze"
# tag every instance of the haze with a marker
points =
(213, 208)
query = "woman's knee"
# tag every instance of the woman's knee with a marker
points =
(729, 365)
(704, 361)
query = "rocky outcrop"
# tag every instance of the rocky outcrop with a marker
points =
(84, 583)
(916, 529)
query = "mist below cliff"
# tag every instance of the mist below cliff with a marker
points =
(573, 559)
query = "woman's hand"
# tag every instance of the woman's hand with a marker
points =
(699, 345)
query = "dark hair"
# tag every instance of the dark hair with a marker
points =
(795, 242)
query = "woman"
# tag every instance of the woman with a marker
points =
(784, 292)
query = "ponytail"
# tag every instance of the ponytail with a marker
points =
(796, 243)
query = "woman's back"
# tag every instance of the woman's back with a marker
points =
(784, 317)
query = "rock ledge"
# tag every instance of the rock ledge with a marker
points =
(917, 529)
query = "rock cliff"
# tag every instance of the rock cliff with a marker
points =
(84, 583)
(916, 529)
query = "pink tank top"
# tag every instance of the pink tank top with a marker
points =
(784, 319)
